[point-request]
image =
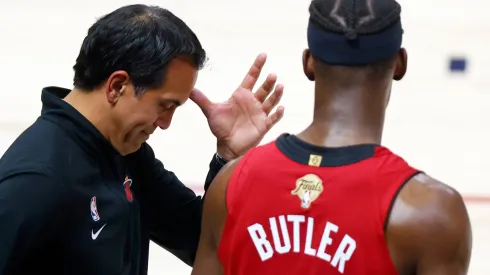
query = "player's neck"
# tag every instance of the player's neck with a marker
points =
(88, 105)
(346, 117)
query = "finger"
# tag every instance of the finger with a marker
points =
(275, 117)
(202, 101)
(266, 88)
(273, 100)
(254, 72)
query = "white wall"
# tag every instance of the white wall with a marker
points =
(435, 120)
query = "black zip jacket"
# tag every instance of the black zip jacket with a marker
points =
(70, 204)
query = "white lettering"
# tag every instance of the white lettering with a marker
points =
(282, 240)
(262, 245)
(296, 220)
(326, 240)
(281, 249)
(342, 255)
(309, 238)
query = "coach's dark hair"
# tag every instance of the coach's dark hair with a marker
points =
(139, 39)
(355, 17)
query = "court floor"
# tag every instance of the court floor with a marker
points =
(161, 262)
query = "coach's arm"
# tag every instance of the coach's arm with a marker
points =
(171, 210)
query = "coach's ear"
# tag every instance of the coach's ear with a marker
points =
(400, 65)
(308, 65)
(117, 84)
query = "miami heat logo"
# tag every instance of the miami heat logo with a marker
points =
(127, 188)
(308, 189)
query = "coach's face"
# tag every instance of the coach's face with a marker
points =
(137, 117)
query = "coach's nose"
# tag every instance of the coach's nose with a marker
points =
(164, 121)
(162, 124)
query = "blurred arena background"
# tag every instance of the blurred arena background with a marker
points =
(445, 95)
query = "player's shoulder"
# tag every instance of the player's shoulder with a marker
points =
(422, 198)
(423, 191)
(389, 156)
(255, 155)
(430, 211)
(435, 217)
(420, 186)
(264, 148)
(224, 175)
(233, 174)
(264, 151)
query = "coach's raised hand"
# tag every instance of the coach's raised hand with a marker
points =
(241, 122)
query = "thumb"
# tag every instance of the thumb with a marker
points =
(202, 101)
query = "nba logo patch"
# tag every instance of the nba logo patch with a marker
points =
(305, 202)
(93, 209)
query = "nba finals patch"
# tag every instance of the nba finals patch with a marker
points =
(308, 188)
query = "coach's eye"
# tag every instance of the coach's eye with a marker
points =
(168, 106)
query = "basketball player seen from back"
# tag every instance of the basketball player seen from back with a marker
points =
(331, 199)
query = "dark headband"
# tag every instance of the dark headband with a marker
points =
(337, 49)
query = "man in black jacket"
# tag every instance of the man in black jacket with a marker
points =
(81, 191)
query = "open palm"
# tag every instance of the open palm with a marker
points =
(242, 121)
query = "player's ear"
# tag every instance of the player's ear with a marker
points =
(308, 65)
(400, 64)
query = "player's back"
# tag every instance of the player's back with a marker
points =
(294, 208)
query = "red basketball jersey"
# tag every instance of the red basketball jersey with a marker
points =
(299, 209)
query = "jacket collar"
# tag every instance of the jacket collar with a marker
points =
(58, 111)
